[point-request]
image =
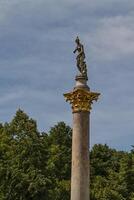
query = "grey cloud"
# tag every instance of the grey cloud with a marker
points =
(37, 64)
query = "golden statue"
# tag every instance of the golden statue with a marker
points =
(81, 64)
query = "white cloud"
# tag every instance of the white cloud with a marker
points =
(114, 38)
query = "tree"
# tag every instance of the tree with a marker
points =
(25, 155)
(59, 162)
(35, 165)
(105, 167)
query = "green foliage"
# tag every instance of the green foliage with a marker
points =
(112, 174)
(24, 155)
(37, 166)
(34, 165)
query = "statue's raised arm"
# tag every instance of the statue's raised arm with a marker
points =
(81, 64)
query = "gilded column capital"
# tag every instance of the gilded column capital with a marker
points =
(81, 99)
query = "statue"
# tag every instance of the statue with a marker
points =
(81, 64)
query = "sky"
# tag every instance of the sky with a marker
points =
(37, 64)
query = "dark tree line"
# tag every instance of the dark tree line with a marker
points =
(37, 166)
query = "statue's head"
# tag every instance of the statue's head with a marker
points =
(77, 40)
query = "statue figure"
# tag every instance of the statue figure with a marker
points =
(81, 64)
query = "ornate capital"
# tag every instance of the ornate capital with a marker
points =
(81, 99)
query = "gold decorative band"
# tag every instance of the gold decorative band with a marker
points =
(81, 99)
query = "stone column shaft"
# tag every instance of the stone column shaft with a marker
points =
(80, 157)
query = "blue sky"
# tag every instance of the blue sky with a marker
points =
(37, 64)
